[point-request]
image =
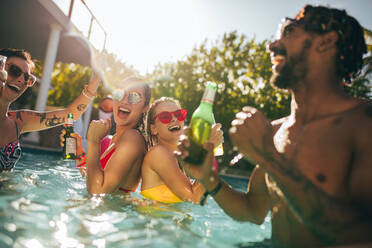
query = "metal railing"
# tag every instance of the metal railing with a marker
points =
(85, 21)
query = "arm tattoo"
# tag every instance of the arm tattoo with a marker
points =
(54, 121)
(314, 208)
(81, 107)
(41, 115)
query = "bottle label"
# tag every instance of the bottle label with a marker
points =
(209, 95)
(70, 145)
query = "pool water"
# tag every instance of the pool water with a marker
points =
(44, 203)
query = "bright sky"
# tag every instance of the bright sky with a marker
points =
(143, 33)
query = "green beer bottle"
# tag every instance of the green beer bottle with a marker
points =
(200, 125)
(69, 148)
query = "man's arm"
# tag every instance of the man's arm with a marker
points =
(360, 186)
(252, 205)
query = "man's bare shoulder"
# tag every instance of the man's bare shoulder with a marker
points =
(361, 118)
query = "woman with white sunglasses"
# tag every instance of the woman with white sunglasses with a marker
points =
(117, 167)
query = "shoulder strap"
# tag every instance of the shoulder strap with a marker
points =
(16, 126)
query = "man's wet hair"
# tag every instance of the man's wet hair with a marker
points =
(351, 44)
(20, 53)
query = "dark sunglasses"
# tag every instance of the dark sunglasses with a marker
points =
(166, 117)
(15, 72)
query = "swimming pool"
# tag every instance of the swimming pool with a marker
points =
(44, 203)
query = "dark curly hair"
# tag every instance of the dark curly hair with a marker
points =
(20, 53)
(351, 44)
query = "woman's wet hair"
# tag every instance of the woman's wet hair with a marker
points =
(20, 53)
(351, 44)
(152, 139)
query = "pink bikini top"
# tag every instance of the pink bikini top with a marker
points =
(104, 161)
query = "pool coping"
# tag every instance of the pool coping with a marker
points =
(235, 173)
(30, 147)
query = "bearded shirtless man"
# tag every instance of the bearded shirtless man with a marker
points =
(314, 167)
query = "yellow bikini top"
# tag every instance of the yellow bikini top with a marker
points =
(160, 193)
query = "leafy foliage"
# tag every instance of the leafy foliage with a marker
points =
(240, 67)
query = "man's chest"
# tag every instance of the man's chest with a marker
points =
(322, 151)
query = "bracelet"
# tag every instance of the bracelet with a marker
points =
(83, 158)
(87, 93)
(82, 164)
(212, 193)
(78, 157)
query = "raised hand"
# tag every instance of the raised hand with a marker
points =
(79, 145)
(98, 129)
(216, 136)
(252, 133)
(199, 172)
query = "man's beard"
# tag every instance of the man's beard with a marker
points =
(293, 71)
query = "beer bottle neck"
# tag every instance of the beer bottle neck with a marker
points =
(208, 96)
(70, 122)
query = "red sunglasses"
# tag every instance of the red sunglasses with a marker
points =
(166, 117)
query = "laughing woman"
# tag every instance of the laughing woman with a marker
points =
(162, 178)
(19, 67)
(119, 167)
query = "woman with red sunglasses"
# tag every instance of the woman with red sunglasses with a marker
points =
(162, 178)
(16, 77)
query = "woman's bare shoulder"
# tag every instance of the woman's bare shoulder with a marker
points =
(159, 151)
(131, 135)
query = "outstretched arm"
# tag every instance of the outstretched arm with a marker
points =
(29, 120)
(251, 206)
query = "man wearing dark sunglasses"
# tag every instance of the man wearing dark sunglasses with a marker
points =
(19, 67)
(314, 166)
